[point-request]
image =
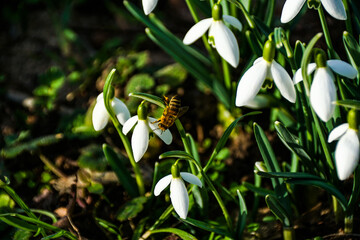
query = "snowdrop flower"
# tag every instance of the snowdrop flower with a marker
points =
(100, 116)
(347, 149)
(140, 137)
(323, 90)
(292, 7)
(178, 192)
(149, 5)
(220, 36)
(265, 69)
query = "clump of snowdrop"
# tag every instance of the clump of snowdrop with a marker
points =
(292, 7)
(149, 6)
(140, 137)
(178, 192)
(265, 69)
(348, 148)
(100, 116)
(323, 90)
(220, 36)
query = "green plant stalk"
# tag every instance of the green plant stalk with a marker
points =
(20, 202)
(348, 19)
(124, 139)
(326, 32)
(226, 71)
(288, 233)
(269, 13)
(348, 224)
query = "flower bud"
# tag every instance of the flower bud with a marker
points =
(269, 51)
(217, 12)
(175, 171)
(353, 119)
(142, 111)
(320, 59)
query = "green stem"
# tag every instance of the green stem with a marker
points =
(348, 19)
(124, 139)
(289, 233)
(184, 139)
(326, 32)
(227, 78)
(349, 223)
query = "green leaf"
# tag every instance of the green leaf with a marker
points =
(241, 223)
(112, 228)
(131, 209)
(208, 226)
(176, 154)
(140, 226)
(139, 82)
(352, 49)
(22, 234)
(181, 233)
(92, 157)
(96, 188)
(121, 171)
(299, 52)
(173, 74)
(290, 175)
(260, 191)
(354, 104)
(150, 98)
(278, 210)
(14, 222)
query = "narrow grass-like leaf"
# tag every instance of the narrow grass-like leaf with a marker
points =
(260, 191)
(278, 210)
(220, 145)
(323, 185)
(352, 49)
(352, 91)
(354, 104)
(241, 222)
(207, 226)
(148, 97)
(17, 223)
(176, 154)
(121, 171)
(110, 227)
(140, 226)
(290, 175)
(355, 193)
(181, 233)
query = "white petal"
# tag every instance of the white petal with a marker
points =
(347, 154)
(233, 21)
(197, 31)
(162, 184)
(251, 82)
(128, 125)
(140, 139)
(100, 96)
(298, 74)
(337, 132)
(283, 81)
(121, 111)
(191, 178)
(149, 5)
(100, 116)
(323, 93)
(225, 43)
(258, 102)
(166, 135)
(335, 8)
(291, 9)
(342, 68)
(179, 197)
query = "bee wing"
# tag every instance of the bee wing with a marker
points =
(182, 111)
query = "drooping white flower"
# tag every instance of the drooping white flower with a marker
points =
(149, 5)
(220, 36)
(100, 116)
(140, 137)
(323, 90)
(292, 7)
(178, 193)
(347, 149)
(264, 68)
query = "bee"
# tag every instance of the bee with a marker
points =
(172, 111)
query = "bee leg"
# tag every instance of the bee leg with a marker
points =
(157, 121)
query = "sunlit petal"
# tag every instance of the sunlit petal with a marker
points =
(197, 31)
(191, 178)
(298, 74)
(337, 132)
(251, 82)
(291, 9)
(100, 116)
(121, 111)
(283, 81)
(149, 5)
(225, 43)
(233, 21)
(342, 68)
(162, 184)
(258, 60)
(347, 154)
(166, 135)
(140, 139)
(335, 8)
(128, 125)
(323, 93)
(179, 197)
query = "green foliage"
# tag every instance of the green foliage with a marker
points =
(92, 157)
(139, 83)
(131, 208)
